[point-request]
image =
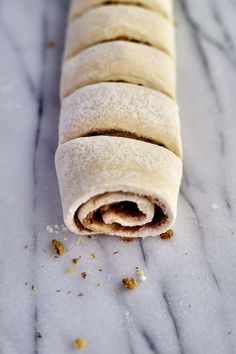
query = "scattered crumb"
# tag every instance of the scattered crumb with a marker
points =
(98, 285)
(57, 247)
(75, 260)
(127, 239)
(25, 247)
(129, 283)
(229, 332)
(64, 230)
(50, 229)
(26, 283)
(69, 270)
(116, 252)
(89, 236)
(33, 288)
(80, 294)
(39, 335)
(50, 44)
(141, 275)
(93, 255)
(190, 306)
(78, 242)
(214, 206)
(100, 269)
(84, 275)
(166, 235)
(80, 343)
(69, 292)
(58, 291)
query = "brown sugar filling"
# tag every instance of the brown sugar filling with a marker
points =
(124, 208)
(123, 134)
(122, 38)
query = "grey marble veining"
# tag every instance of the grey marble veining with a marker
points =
(188, 303)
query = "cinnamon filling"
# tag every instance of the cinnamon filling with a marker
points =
(122, 134)
(126, 209)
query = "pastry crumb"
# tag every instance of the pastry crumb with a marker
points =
(50, 44)
(140, 274)
(75, 260)
(57, 248)
(129, 283)
(98, 285)
(166, 235)
(80, 343)
(127, 239)
(69, 270)
(39, 335)
(93, 255)
(214, 206)
(84, 275)
(33, 288)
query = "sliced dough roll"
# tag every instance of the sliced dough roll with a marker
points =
(117, 186)
(119, 61)
(121, 109)
(164, 7)
(107, 23)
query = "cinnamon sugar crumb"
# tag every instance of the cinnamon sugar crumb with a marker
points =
(57, 248)
(80, 343)
(75, 260)
(69, 270)
(50, 44)
(166, 235)
(129, 283)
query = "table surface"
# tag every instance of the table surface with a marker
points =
(187, 304)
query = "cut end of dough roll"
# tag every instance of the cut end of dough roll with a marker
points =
(117, 186)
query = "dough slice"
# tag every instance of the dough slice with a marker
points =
(117, 186)
(108, 23)
(121, 109)
(164, 7)
(119, 61)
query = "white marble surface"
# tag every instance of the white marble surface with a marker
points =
(188, 303)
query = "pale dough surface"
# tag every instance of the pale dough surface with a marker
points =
(164, 7)
(102, 171)
(121, 107)
(119, 61)
(107, 23)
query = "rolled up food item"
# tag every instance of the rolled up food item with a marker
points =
(164, 7)
(119, 61)
(119, 157)
(121, 109)
(117, 186)
(107, 23)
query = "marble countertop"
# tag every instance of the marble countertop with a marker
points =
(187, 305)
